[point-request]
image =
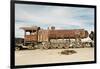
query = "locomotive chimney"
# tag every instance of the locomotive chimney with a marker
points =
(52, 27)
(48, 28)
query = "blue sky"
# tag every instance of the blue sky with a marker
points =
(46, 16)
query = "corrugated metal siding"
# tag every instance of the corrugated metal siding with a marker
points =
(67, 33)
(30, 38)
(43, 35)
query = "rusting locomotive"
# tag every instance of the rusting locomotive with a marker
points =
(52, 38)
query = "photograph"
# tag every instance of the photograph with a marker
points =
(45, 33)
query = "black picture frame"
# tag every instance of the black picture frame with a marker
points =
(12, 32)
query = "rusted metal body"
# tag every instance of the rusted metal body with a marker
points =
(40, 35)
(67, 34)
(46, 35)
(35, 37)
(30, 38)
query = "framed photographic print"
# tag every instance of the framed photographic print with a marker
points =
(50, 34)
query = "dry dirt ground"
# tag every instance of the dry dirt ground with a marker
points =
(31, 57)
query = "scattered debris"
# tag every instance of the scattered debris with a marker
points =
(68, 52)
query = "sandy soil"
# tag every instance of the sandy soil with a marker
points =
(28, 57)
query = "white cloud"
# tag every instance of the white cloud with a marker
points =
(60, 17)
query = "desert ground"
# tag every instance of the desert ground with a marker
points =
(38, 56)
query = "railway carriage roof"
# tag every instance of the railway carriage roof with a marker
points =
(32, 28)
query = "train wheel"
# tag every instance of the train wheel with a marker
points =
(30, 47)
(41, 47)
(46, 47)
(64, 47)
(59, 47)
(49, 47)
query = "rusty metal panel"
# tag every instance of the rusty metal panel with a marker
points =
(30, 38)
(43, 35)
(67, 33)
